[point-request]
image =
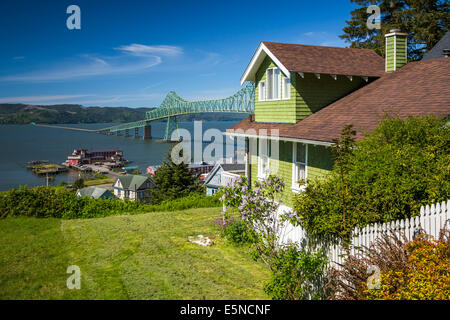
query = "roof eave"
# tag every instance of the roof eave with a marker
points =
(290, 139)
(261, 52)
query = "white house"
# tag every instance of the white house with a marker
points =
(133, 187)
(223, 174)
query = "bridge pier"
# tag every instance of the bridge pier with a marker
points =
(118, 133)
(136, 133)
(147, 132)
(127, 132)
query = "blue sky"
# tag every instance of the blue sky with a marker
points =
(131, 53)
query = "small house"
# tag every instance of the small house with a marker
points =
(223, 174)
(133, 187)
(95, 192)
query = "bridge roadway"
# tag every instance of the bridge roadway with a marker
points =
(66, 128)
(172, 106)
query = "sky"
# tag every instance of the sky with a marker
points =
(132, 53)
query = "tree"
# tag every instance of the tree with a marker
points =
(426, 22)
(173, 181)
(78, 184)
(397, 168)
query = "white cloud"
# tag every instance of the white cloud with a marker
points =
(143, 50)
(36, 99)
(86, 99)
(321, 38)
(132, 58)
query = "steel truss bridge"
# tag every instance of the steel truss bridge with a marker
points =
(173, 105)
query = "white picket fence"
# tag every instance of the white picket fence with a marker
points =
(431, 220)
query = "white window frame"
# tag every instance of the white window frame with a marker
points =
(276, 81)
(295, 186)
(262, 92)
(286, 88)
(263, 159)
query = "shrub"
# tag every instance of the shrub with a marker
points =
(238, 233)
(416, 270)
(56, 202)
(389, 175)
(298, 275)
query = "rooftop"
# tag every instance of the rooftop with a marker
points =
(316, 59)
(418, 88)
(438, 49)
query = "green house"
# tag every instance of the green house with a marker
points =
(305, 95)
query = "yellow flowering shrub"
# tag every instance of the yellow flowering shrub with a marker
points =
(427, 276)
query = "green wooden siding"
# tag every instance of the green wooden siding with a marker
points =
(312, 94)
(319, 164)
(320, 161)
(308, 95)
(395, 52)
(280, 111)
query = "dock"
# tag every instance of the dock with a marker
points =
(48, 169)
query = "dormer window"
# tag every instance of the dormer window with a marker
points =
(262, 91)
(273, 84)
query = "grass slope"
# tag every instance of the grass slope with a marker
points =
(125, 257)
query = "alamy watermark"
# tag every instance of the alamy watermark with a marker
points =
(74, 280)
(192, 147)
(74, 20)
(374, 20)
(374, 280)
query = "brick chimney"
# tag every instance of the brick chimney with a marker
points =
(396, 49)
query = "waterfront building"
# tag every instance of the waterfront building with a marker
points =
(83, 156)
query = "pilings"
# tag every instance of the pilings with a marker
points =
(147, 132)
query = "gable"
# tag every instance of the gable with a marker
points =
(417, 89)
(316, 59)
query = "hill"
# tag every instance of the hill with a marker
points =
(143, 256)
(74, 113)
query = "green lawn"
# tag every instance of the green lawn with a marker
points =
(143, 256)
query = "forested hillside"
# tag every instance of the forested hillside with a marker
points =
(70, 113)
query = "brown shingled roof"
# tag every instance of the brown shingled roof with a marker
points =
(418, 88)
(328, 60)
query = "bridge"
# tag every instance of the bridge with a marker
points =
(173, 105)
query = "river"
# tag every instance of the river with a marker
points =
(23, 143)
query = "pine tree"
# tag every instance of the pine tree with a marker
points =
(426, 22)
(174, 181)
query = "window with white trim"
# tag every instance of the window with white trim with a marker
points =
(273, 84)
(263, 158)
(262, 91)
(286, 88)
(300, 165)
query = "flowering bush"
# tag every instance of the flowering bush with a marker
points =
(258, 209)
(297, 273)
(416, 270)
(426, 278)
